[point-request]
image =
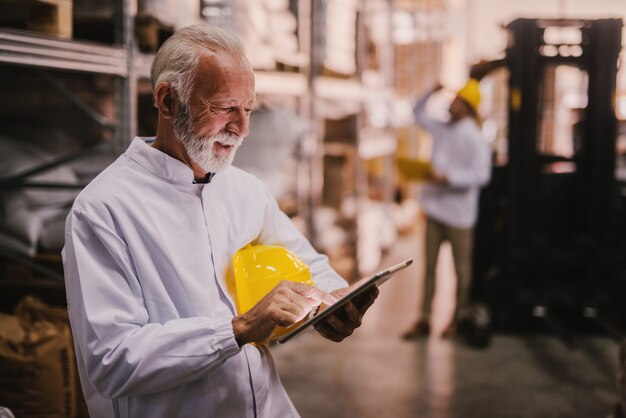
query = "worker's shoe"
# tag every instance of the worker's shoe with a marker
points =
(421, 329)
(451, 331)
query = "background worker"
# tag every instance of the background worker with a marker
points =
(460, 167)
(148, 247)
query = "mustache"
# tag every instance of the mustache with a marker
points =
(225, 138)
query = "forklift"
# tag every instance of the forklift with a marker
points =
(550, 241)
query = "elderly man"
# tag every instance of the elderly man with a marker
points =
(149, 243)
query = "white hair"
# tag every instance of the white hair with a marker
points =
(177, 59)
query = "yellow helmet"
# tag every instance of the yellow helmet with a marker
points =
(470, 93)
(257, 269)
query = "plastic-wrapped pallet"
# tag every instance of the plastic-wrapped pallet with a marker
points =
(26, 215)
(178, 13)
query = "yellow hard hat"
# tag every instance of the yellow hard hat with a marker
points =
(257, 269)
(470, 93)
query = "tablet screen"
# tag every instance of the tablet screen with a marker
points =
(375, 280)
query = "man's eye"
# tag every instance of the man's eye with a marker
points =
(232, 109)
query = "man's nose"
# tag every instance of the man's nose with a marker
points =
(239, 122)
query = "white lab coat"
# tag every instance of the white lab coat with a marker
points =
(147, 254)
(463, 155)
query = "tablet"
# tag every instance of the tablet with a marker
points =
(375, 280)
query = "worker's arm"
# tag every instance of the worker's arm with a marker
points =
(420, 114)
(124, 353)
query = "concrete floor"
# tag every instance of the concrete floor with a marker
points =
(375, 373)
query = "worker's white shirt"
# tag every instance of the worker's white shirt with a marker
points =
(146, 260)
(463, 155)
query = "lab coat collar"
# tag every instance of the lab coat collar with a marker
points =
(157, 162)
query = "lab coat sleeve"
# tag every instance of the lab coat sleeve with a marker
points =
(475, 167)
(279, 230)
(422, 117)
(125, 354)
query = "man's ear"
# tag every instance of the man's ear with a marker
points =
(165, 100)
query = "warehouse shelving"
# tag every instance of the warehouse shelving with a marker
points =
(348, 143)
(130, 70)
(45, 57)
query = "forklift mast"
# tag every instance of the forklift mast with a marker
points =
(551, 233)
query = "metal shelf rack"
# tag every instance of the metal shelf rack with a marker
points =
(34, 50)
(44, 53)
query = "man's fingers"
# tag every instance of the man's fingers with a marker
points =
(328, 332)
(346, 320)
(365, 301)
(299, 298)
(322, 296)
(353, 316)
(319, 296)
(339, 293)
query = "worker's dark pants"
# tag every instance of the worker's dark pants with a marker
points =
(461, 242)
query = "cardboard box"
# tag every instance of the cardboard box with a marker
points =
(52, 17)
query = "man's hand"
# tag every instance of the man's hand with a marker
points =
(283, 306)
(484, 67)
(344, 321)
(438, 177)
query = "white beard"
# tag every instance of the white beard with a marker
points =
(200, 149)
